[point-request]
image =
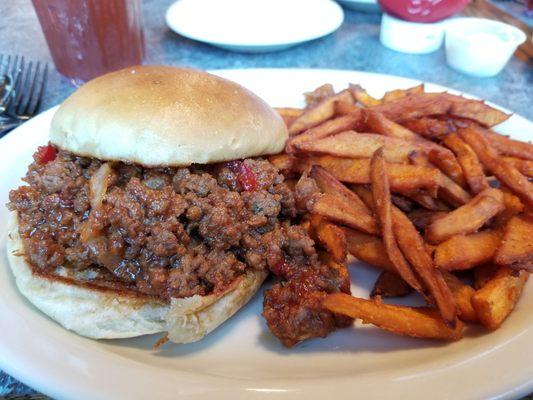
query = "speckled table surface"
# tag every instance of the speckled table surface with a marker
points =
(355, 46)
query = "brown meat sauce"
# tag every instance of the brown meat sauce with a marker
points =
(176, 232)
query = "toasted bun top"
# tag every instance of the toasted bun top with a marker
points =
(166, 116)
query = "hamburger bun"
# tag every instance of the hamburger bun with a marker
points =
(166, 116)
(107, 314)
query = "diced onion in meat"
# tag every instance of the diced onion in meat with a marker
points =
(98, 185)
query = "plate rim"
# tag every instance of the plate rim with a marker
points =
(38, 381)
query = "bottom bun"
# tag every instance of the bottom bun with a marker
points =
(108, 314)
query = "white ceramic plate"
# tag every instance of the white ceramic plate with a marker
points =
(254, 26)
(369, 6)
(242, 359)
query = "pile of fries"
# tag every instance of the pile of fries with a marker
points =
(417, 185)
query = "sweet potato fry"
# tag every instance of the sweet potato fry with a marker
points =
(390, 284)
(445, 160)
(331, 237)
(525, 167)
(431, 104)
(467, 251)
(365, 194)
(328, 184)
(498, 297)
(448, 164)
(430, 128)
(360, 145)
(283, 162)
(342, 108)
(362, 97)
(505, 172)
(397, 94)
(327, 128)
(337, 209)
(319, 94)
(472, 169)
(416, 106)
(513, 206)
(403, 178)
(476, 110)
(378, 123)
(451, 192)
(509, 147)
(383, 210)
(319, 113)
(369, 249)
(422, 322)
(413, 248)
(462, 294)
(516, 249)
(467, 218)
(288, 114)
(422, 218)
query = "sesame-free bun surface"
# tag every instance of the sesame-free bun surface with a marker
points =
(166, 116)
(107, 314)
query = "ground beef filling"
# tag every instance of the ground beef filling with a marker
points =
(169, 232)
(174, 232)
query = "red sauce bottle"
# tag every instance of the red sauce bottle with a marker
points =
(422, 10)
(88, 38)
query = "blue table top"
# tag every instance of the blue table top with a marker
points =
(355, 46)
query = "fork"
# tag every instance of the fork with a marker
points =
(28, 90)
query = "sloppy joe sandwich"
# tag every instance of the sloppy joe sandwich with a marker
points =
(151, 210)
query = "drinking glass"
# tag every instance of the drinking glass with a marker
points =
(88, 38)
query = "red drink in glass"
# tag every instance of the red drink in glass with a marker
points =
(88, 38)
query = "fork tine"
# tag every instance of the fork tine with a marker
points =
(12, 70)
(35, 98)
(6, 64)
(19, 72)
(12, 64)
(16, 68)
(33, 74)
(25, 92)
(24, 73)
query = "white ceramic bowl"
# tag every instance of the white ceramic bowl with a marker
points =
(410, 37)
(479, 46)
